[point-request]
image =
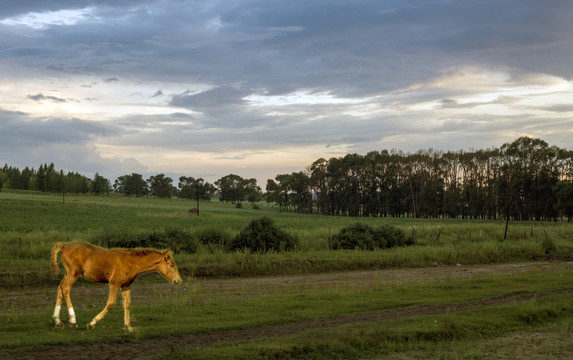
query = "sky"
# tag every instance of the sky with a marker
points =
(260, 88)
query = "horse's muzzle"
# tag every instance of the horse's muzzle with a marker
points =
(176, 281)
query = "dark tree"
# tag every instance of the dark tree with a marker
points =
(131, 185)
(161, 186)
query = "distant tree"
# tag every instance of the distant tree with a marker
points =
(233, 188)
(564, 195)
(193, 189)
(161, 186)
(272, 194)
(292, 190)
(101, 185)
(131, 185)
(253, 192)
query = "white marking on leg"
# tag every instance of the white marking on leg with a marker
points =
(57, 315)
(72, 315)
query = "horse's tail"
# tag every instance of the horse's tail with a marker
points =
(54, 259)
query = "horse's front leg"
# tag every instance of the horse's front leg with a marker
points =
(113, 289)
(126, 293)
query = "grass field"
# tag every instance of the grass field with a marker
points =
(276, 305)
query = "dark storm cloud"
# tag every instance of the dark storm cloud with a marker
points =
(335, 46)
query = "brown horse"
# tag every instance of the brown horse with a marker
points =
(118, 267)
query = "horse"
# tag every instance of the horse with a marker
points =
(118, 267)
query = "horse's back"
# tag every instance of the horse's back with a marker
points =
(79, 250)
(77, 255)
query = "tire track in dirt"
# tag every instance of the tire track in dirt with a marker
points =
(149, 347)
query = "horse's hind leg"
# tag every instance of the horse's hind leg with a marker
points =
(56, 315)
(64, 292)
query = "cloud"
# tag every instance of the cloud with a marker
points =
(69, 143)
(41, 97)
(229, 82)
(17, 129)
(214, 98)
(560, 108)
(499, 100)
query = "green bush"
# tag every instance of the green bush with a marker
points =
(365, 237)
(356, 236)
(389, 236)
(262, 235)
(178, 240)
(174, 239)
(213, 235)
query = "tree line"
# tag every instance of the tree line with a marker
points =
(231, 188)
(523, 180)
(48, 179)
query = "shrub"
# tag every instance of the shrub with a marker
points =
(356, 236)
(213, 236)
(364, 237)
(390, 236)
(262, 235)
(178, 240)
(174, 239)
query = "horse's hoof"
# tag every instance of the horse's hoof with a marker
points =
(89, 327)
(73, 325)
(128, 329)
(59, 325)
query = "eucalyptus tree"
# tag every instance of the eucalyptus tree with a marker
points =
(319, 185)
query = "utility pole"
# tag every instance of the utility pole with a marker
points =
(197, 195)
(63, 189)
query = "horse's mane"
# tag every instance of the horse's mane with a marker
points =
(142, 251)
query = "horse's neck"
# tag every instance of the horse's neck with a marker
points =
(146, 263)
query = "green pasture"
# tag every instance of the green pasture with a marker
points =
(185, 312)
(30, 223)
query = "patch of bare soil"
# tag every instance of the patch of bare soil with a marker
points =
(248, 288)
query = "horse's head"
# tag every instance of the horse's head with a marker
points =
(168, 269)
